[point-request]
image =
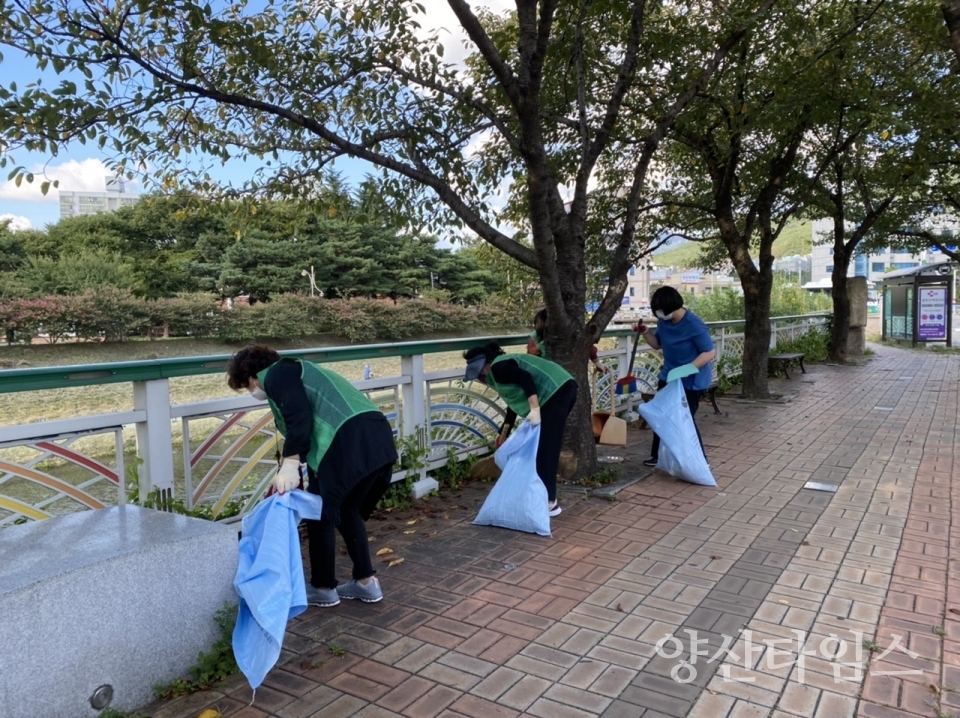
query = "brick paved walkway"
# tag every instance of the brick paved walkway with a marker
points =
(479, 621)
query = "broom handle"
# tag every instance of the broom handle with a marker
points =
(633, 354)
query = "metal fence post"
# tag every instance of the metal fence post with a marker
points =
(154, 438)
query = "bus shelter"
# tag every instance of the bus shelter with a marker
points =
(917, 304)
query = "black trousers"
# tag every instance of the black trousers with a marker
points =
(553, 420)
(693, 401)
(323, 540)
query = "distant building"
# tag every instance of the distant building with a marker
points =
(872, 266)
(114, 196)
(643, 280)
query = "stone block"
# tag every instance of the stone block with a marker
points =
(123, 596)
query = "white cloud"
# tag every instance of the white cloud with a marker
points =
(88, 175)
(16, 222)
(440, 17)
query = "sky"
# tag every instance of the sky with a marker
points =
(81, 167)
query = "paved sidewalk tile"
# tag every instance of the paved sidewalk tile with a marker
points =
(755, 599)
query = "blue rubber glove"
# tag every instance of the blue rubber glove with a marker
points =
(682, 371)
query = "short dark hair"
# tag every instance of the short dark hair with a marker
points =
(666, 300)
(491, 350)
(540, 323)
(247, 363)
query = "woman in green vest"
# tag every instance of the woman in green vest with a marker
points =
(537, 389)
(537, 344)
(346, 444)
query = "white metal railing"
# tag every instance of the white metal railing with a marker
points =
(218, 455)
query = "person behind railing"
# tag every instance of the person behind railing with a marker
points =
(347, 445)
(537, 346)
(685, 341)
(538, 389)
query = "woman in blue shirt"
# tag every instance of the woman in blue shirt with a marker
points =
(685, 342)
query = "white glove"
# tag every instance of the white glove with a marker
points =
(534, 417)
(287, 477)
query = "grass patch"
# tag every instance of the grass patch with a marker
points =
(211, 667)
(53, 404)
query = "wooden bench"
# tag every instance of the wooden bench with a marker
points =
(785, 360)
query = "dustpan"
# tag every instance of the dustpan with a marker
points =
(608, 429)
(486, 469)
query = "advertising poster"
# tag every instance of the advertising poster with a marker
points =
(932, 314)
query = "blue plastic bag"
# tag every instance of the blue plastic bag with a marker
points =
(680, 455)
(270, 580)
(519, 499)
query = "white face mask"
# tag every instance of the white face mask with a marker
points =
(661, 315)
(259, 394)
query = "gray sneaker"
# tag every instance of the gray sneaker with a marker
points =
(323, 597)
(370, 593)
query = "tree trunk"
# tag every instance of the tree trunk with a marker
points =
(572, 351)
(578, 437)
(756, 333)
(951, 15)
(841, 311)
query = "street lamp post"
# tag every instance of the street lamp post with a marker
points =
(313, 280)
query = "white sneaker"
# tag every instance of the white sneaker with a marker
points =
(554, 508)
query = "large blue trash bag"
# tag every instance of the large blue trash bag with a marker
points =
(270, 580)
(519, 499)
(680, 454)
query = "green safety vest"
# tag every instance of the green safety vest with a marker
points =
(547, 376)
(333, 399)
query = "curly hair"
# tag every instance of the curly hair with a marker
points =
(247, 363)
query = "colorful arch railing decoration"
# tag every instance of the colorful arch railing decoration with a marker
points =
(226, 454)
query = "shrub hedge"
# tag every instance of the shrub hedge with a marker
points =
(110, 314)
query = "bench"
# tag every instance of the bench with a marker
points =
(785, 360)
(111, 601)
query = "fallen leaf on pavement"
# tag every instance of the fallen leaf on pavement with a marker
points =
(384, 551)
(411, 523)
(395, 562)
(407, 533)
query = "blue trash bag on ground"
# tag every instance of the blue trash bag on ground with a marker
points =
(519, 499)
(270, 580)
(680, 454)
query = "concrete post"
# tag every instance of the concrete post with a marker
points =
(857, 336)
(415, 416)
(154, 438)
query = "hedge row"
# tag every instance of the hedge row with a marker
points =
(114, 315)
